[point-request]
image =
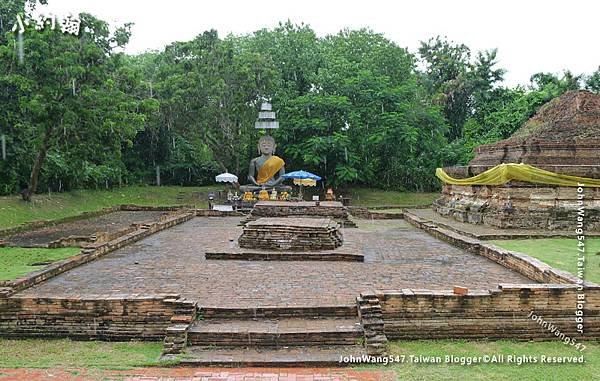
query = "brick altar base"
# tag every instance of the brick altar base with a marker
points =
(520, 205)
(291, 234)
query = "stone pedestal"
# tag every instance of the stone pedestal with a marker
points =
(291, 234)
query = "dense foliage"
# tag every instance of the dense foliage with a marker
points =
(353, 107)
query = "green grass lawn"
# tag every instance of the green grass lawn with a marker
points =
(47, 353)
(376, 197)
(17, 261)
(560, 253)
(14, 211)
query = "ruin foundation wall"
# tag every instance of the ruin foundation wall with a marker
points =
(104, 317)
(520, 205)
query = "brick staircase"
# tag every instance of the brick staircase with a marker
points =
(271, 336)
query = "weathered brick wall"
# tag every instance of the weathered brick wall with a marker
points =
(329, 209)
(371, 319)
(217, 213)
(360, 212)
(519, 205)
(502, 313)
(584, 152)
(117, 317)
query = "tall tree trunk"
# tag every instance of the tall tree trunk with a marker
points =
(37, 166)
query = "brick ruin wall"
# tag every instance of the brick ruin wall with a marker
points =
(117, 317)
(520, 205)
(581, 153)
(300, 210)
(507, 312)
(495, 314)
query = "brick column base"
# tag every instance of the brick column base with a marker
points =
(369, 313)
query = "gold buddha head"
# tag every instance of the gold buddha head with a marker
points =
(266, 145)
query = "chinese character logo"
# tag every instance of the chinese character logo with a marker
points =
(69, 24)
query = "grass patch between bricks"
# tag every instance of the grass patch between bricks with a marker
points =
(17, 261)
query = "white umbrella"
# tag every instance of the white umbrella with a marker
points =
(226, 178)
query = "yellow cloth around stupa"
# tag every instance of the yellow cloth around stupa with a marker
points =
(503, 173)
(269, 169)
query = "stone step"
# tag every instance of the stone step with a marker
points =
(275, 332)
(337, 311)
(285, 256)
(299, 356)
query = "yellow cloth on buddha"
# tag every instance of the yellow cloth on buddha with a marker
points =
(269, 169)
(503, 173)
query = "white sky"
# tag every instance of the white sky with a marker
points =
(531, 35)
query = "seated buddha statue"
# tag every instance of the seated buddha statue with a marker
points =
(267, 170)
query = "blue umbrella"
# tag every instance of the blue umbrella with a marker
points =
(301, 175)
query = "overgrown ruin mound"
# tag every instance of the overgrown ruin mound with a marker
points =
(572, 116)
(565, 131)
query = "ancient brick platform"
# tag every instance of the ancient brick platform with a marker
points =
(326, 209)
(396, 255)
(291, 234)
(321, 309)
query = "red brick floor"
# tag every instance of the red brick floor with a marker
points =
(191, 374)
(397, 256)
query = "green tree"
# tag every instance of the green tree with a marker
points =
(209, 90)
(363, 121)
(508, 109)
(67, 100)
(457, 82)
(592, 82)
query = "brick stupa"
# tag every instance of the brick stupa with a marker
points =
(563, 137)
